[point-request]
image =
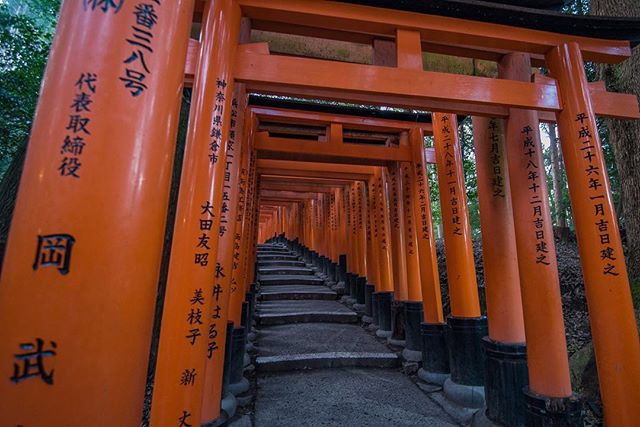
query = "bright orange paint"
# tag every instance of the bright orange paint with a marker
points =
(386, 252)
(499, 254)
(100, 306)
(546, 344)
(613, 325)
(396, 220)
(236, 151)
(414, 287)
(461, 270)
(427, 256)
(184, 337)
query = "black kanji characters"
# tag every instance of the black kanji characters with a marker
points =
(30, 362)
(54, 250)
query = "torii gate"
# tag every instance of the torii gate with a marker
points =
(84, 251)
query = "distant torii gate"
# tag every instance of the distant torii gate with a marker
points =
(79, 281)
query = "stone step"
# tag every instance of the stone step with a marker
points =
(278, 257)
(280, 263)
(296, 279)
(296, 292)
(285, 271)
(283, 251)
(345, 397)
(304, 311)
(310, 338)
(335, 359)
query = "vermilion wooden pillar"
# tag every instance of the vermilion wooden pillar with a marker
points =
(546, 343)
(414, 292)
(236, 149)
(243, 230)
(467, 326)
(461, 271)
(80, 272)
(505, 346)
(360, 229)
(435, 354)
(412, 307)
(613, 325)
(428, 263)
(383, 209)
(373, 233)
(502, 282)
(397, 235)
(192, 336)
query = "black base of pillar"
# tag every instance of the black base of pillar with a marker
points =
(352, 285)
(435, 354)
(342, 268)
(384, 313)
(368, 294)
(228, 357)
(361, 283)
(544, 411)
(413, 317)
(238, 384)
(467, 359)
(244, 317)
(397, 324)
(375, 309)
(505, 377)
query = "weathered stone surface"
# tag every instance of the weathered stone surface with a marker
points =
(336, 359)
(296, 292)
(289, 280)
(285, 271)
(344, 397)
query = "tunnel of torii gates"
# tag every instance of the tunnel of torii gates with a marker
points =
(80, 276)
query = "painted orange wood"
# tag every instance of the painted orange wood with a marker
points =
(613, 326)
(461, 270)
(190, 354)
(82, 261)
(499, 253)
(546, 343)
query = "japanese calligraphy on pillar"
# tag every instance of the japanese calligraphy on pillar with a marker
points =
(380, 196)
(497, 158)
(406, 189)
(595, 178)
(333, 224)
(354, 219)
(395, 201)
(535, 176)
(237, 237)
(104, 6)
(226, 188)
(137, 66)
(423, 227)
(450, 172)
(216, 125)
(78, 126)
(201, 256)
(373, 203)
(359, 204)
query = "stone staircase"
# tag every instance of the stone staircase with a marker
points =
(316, 364)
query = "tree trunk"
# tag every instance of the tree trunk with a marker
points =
(624, 135)
(561, 212)
(8, 192)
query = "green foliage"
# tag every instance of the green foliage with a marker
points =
(26, 31)
(635, 294)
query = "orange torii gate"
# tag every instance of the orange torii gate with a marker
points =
(65, 261)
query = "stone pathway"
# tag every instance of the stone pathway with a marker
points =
(316, 366)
